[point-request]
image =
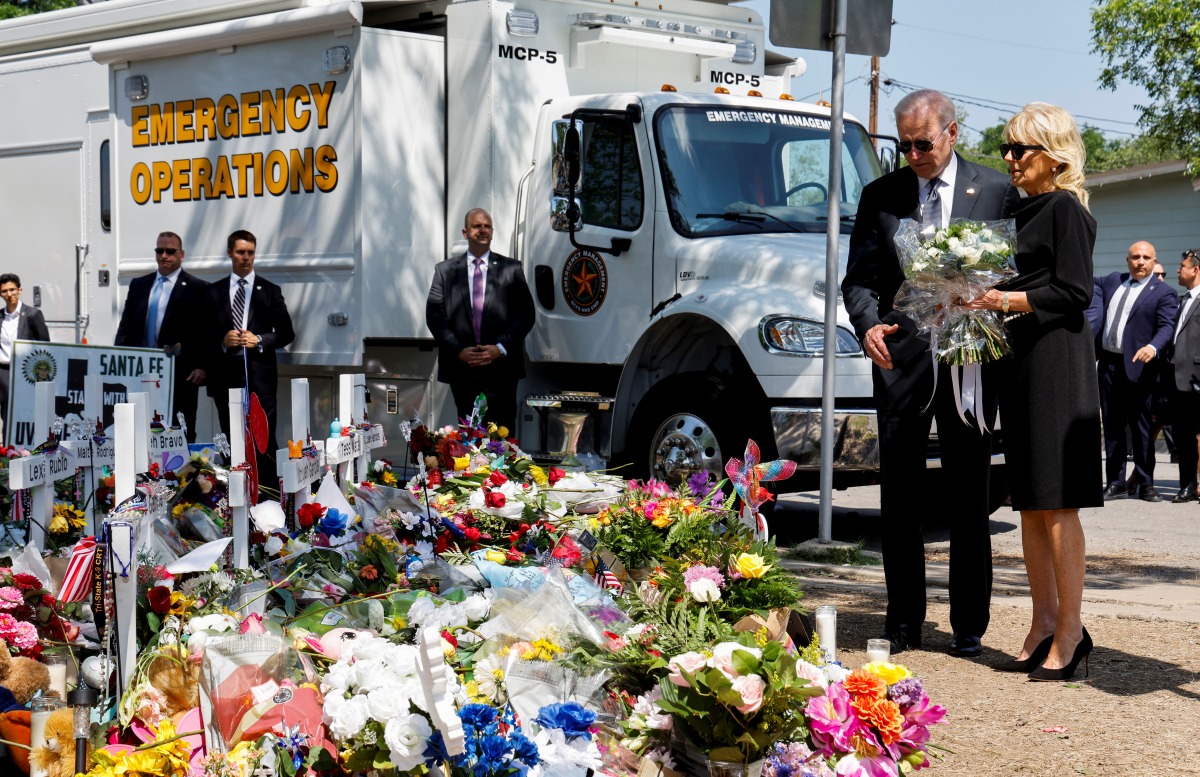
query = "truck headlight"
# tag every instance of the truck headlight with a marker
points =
(803, 337)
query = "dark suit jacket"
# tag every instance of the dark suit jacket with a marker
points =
(874, 272)
(32, 325)
(181, 326)
(507, 315)
(268, 318)
(1184, 353)
(1151, 320)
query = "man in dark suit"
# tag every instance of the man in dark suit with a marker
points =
(164, 310)
(1184, 374)
(1133, 316)
(479, 311)
(21, 322)
(250, 322)
(937, 185)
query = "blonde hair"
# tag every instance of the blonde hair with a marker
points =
(1048, 125)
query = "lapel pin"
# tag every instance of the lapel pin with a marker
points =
(970, 191)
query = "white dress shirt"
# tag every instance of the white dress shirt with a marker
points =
(8, 333)
(233, 287)
(168, 285)
(1189, 298)
(945, 188)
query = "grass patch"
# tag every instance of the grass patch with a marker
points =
(835, 554)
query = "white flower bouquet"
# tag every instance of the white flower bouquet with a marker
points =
(948, 267)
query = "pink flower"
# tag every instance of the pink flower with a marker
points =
(722, 657)
(701, 572)
(688, 662)
(253, 624)
(18, 634)
(831, 719)
(11, 597)
(750, 688)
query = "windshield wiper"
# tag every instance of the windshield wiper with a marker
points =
(845, 217)
(743, 218)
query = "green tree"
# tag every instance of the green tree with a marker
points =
(1153, 44)
(10, 9)
(1102, 153)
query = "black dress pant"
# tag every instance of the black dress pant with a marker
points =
(1185, 423)
(1126, 405)
(500, 388)
(905, 500)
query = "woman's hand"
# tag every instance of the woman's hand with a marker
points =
(989, 300)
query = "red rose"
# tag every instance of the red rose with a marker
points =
(567, 552)
(472, 534)
(160, 599)
(309, 513)
(514, 556)
(446, 635)
(494, 499)
(555, 474)
(497, 478)
(434, 478)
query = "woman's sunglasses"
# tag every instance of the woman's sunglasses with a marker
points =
(1018, 149)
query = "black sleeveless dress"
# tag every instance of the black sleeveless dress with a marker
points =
(1049, 397)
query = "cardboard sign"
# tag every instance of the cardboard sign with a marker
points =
(122, 371)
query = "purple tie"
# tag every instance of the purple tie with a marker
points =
(477, 300)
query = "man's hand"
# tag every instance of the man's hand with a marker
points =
(235, 338)
(197, 376)
(479, 355)
(875, 347)
(1145, 354)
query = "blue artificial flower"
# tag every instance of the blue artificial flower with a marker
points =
(496, 447)
(523, 748)
(435, 750)
(333, 523)
(572, 717)
(478, 716)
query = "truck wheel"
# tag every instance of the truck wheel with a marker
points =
(693, 424)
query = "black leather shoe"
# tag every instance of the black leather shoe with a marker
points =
(1116, 491)
(1185, 495)
(964, 646)
(1147, 494)
(902, 640)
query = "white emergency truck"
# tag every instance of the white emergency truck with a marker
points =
(678, 313)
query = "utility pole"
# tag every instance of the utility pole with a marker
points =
(873, 124)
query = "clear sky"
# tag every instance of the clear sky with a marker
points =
(991, 56)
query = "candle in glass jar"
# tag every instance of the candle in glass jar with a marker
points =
(57, 666)
(879, 651)
(826, 616)
(40, 709)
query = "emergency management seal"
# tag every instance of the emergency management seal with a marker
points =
(39, 367)
(584, 282)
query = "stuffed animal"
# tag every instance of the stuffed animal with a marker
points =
(178, 680)
(20, 680)
(56, 758)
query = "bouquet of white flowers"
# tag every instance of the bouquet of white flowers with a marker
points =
(949, 267)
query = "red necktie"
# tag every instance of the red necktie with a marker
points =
(477, 300)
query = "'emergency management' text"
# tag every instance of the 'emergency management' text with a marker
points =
(229, 116)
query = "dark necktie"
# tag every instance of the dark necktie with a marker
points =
(152, 314)
(477, 300)
(239, 304)
(1110, 338)
(931, 211)
(1185, 302)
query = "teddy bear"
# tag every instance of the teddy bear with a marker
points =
(20, 680)
(56, 758)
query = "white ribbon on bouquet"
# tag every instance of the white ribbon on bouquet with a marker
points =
(967, 383)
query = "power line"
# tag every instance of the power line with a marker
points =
(1002, 107)
(991, 40)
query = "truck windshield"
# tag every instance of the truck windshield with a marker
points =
(736, 171)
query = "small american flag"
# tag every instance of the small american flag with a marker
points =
(605, 578)
(77, 582)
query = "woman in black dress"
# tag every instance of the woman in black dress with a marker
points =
(1049, 400)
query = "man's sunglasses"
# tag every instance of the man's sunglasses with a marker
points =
(1018, 149)
(167, 251)
(924, 146)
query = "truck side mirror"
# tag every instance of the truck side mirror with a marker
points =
(571, 155)
(889, 159)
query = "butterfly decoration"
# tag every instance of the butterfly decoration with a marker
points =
(747, 477)
(171, 461)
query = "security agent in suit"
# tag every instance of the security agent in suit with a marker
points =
(21, 322)
(936, 185)
(1133, 317)
(481, 343)
(244, 346)
(176, 297)
(1184, 373)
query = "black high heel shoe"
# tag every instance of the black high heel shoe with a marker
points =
(1082, 650)
(1033, 662)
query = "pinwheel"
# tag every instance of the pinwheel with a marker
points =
(747, 477)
